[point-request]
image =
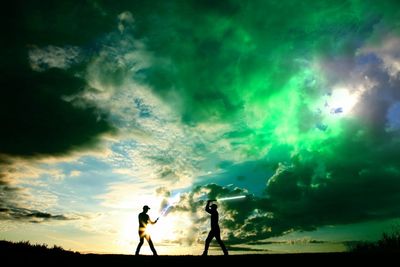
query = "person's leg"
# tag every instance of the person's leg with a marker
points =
(221, 244)
(148, 238)
(208, 240)
(139, 245)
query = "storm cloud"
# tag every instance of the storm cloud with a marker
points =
(35, 119)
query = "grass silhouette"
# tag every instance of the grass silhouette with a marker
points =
(24, 253)
(389, 243)
(25, 247)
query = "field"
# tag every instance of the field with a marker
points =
(24, 253)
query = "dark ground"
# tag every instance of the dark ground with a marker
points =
(23, 254)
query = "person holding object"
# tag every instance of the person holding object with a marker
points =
(215, 231)
(144, 219)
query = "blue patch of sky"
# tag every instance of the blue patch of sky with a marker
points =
(78, 194)
(393, 117)
(321, 126)
(87, 188)
(250, 175)
(368, 58)
(122, 150)
(336, 110)
(144, 110)
(279, 154)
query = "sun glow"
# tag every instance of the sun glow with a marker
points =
(170, 228)
(164, 230)
(341, 101)
(166, 234)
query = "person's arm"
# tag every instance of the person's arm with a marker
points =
(154, 221)
(208, 209)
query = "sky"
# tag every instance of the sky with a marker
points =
(107, 106)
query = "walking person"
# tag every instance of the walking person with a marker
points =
(215, 231)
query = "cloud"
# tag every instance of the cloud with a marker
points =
(341, 187)
(33, 216)
(260, 97)
(125, 20)
(236, 217)
(239, 51)
(75, 173)
(387, 51)
(13, 191)
(21, 204)
(152, 142)
(347, 189)
(40, 70)
(37, 184)
(41, 59)
(35, 120)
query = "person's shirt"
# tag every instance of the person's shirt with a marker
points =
(143, 220)
(214, 217)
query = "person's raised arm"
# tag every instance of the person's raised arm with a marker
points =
(208, 209)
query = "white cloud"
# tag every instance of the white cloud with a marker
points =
(51, 56)
(27, 171)
(75, 173)
(152, 142)
(388, 50)
(130, 195)
(125, 20)
(19, 170)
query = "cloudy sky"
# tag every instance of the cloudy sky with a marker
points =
(107, 106)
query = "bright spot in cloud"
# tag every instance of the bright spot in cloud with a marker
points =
(341, 101)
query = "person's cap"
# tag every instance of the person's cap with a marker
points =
(145, 207)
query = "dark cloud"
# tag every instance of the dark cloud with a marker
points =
(350, 184)
(33, 216)
(237, 217)
(58, 23)
(36, 120)
(33, 115)
(10, 209)
(349, 180)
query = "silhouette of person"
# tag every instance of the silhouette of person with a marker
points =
(144, 219)
(215, 231)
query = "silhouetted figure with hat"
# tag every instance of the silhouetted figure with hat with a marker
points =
(144, 219)
(215, 231)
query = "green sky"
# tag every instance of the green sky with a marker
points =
(110, 105)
